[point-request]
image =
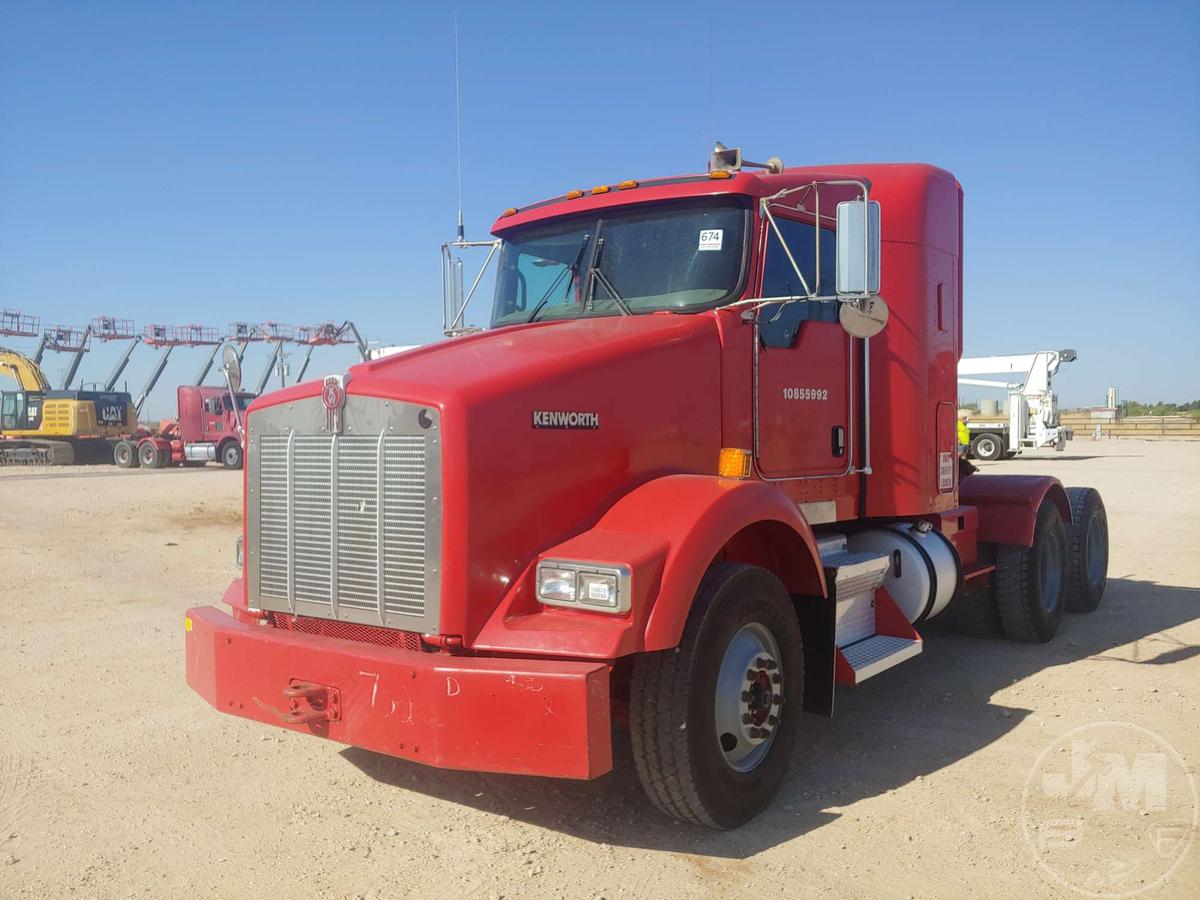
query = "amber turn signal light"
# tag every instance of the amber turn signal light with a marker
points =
(733, 463)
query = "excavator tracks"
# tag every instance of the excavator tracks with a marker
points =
(37, 453)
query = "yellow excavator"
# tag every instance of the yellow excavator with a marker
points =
(41, 426)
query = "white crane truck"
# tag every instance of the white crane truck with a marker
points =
(1032, 419)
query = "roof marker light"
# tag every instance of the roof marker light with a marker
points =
(720, 173)
(511, 211)
(627, 185)
(574, 195)
(601, 189)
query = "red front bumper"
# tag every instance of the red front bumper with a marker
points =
(524, 716)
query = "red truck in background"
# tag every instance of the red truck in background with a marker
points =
(696, 474)
(209, 428)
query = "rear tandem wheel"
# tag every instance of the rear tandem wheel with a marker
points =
(1030, 584)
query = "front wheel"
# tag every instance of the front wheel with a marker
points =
(231, 455)
(714, 721)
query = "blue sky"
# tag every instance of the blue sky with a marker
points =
(207, 162)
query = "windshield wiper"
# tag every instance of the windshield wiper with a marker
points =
(573, 269)
(603, 279)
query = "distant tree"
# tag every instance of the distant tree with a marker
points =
(1160, 408)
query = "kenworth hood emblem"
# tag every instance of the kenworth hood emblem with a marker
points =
(333, 398)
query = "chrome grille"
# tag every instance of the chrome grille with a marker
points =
(346, 526)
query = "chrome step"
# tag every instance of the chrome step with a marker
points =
(878, 653)
(855, 578)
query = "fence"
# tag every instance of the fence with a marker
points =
(1148, 427)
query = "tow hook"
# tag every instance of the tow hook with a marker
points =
(312, 703)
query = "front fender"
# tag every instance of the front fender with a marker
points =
(668, 531)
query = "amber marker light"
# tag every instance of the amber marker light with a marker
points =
(627, 185)
(574, 195)
(720, 173)
(601, 189)
(733, 463)
(511, 211)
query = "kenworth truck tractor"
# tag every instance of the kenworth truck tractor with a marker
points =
(701, 470)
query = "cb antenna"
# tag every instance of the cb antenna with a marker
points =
(458, 127)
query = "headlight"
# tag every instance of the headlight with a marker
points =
(584, 585)
(556, 584)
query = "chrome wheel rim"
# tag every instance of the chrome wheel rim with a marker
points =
(749, 700)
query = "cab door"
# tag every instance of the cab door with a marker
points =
(803, 362)
(10, 403)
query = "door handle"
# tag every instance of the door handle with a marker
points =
(838, 440)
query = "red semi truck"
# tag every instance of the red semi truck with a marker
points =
(208, 429)
(689, 480)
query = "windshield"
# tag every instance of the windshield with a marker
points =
(633, 260)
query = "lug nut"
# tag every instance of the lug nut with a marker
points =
(777, 701)
(754, 733)
(771, 665)
(762, 662)
(751, 675)
(772, 721)
(745, 696)
(746, 720)
(776, 678)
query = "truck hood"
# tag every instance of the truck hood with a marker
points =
(495, 362)
(544, 427)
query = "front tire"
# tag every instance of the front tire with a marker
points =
(231, 455)
(713, 722)
(1087, 538)
(1031, 583)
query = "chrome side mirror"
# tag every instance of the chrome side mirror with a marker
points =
(858, 247)
(862, 312)
(232, 367)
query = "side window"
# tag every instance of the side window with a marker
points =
(780, 323)
(8, 410)
(779, 278)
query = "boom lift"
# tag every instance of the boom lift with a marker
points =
(696, 474)
(40, 425)
(1032, 404)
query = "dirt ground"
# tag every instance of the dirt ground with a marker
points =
(116, 780)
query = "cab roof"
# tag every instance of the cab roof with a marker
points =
(753, 184)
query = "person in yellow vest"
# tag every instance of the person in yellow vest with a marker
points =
(964, 434)
(965, 466)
